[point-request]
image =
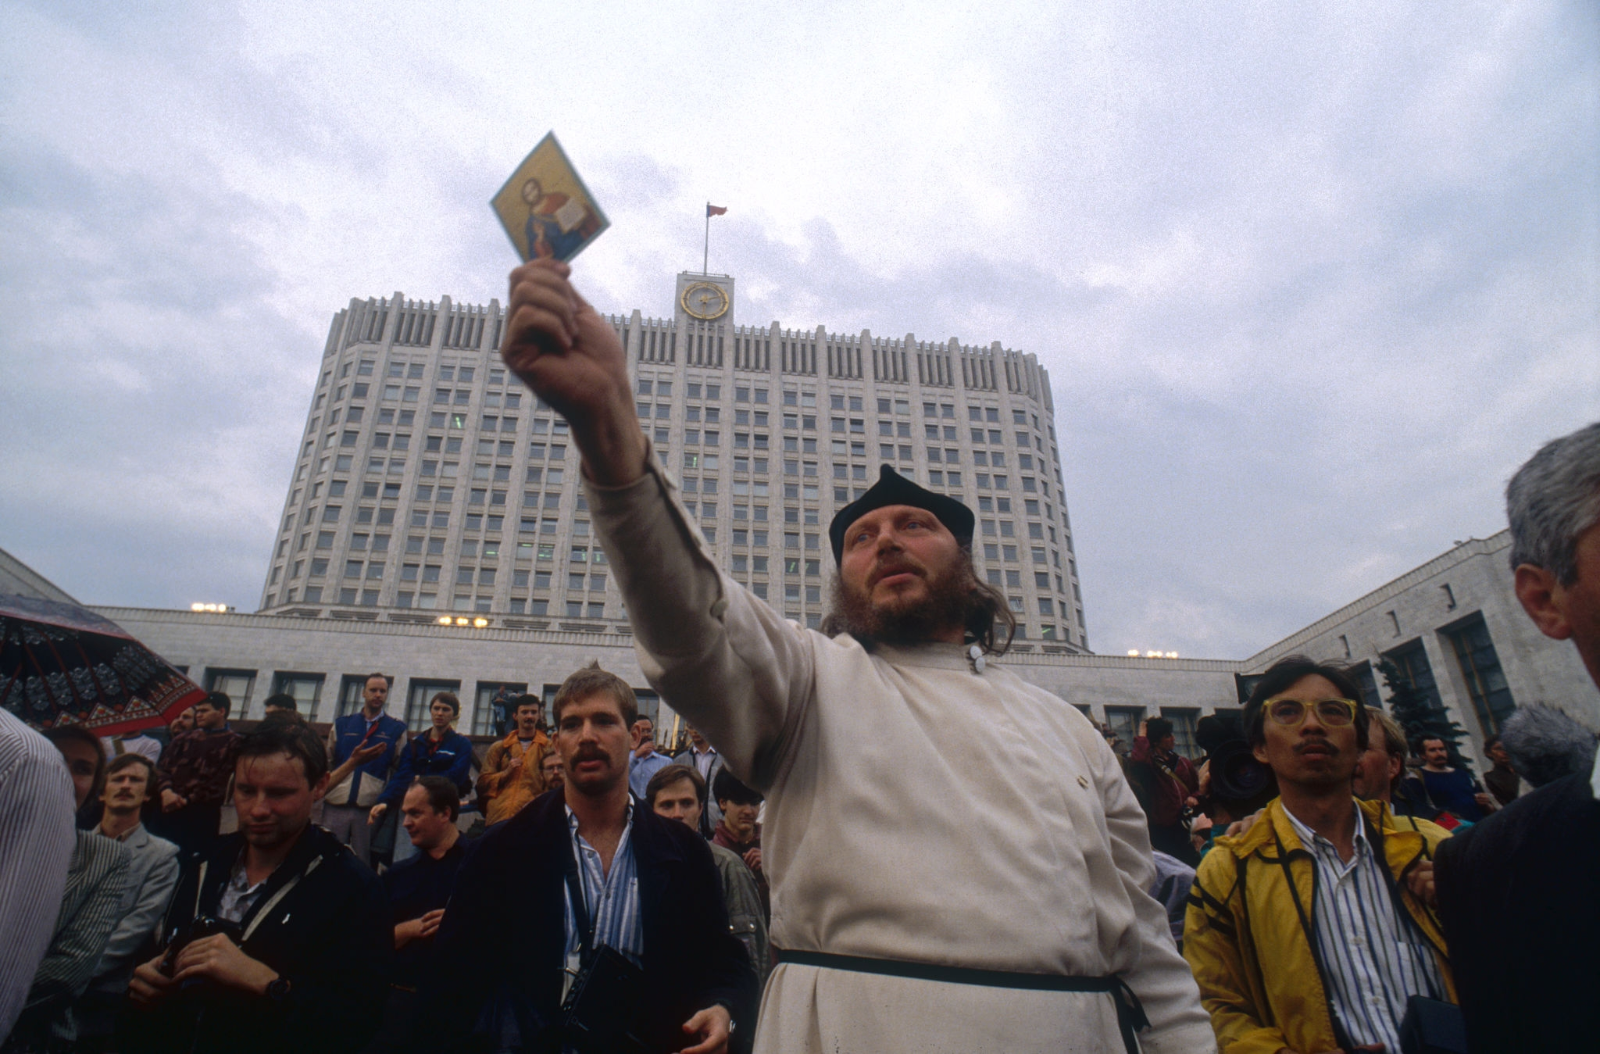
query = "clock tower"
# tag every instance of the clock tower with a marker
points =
(704, 298)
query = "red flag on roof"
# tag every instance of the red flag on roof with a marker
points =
(715, 210)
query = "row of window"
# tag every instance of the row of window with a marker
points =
(350, 438)
(591, 609)
(837, 401)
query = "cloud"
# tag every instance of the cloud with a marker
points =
(1309, 282)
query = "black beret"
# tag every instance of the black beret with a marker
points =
(894, 489)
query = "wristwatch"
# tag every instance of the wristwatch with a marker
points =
(278, 990)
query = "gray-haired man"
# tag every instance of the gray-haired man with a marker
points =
(1516, 891)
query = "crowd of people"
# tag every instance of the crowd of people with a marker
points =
(292, 931)
(828, 865)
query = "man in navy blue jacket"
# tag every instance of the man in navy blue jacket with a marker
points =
(365, 747)
(441, 751)
(510, 932)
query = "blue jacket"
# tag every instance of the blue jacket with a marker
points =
(452, 760)
(367, 780)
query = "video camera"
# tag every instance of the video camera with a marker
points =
(1238, 783)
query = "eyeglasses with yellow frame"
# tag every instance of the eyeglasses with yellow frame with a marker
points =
(1291, 712)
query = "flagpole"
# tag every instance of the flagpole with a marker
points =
(705, 260)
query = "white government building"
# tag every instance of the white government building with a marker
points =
(434, 528)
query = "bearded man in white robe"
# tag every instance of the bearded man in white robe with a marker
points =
(920, 902)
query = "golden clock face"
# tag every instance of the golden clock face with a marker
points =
(704, 301)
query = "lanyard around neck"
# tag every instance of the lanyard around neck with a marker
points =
(580, 905)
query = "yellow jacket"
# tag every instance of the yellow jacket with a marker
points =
(504, 791)
(1258, 975)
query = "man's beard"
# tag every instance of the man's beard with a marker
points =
(901, 620)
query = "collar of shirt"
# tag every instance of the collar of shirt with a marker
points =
(579, 842)
(611, 898)
(1319, 845)
(238, 896)
(123, 837)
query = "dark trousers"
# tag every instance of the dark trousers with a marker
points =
(399, 1015)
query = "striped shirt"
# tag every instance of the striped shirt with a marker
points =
(36, 843)
(611, 900)
(1372, 955)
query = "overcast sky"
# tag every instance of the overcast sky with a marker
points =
(1310, 280)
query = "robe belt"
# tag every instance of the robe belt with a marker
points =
(1130, 1012)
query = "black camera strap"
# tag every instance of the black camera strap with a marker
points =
(580, 906)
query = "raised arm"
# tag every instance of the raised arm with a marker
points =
(716, 653)
(572, 359)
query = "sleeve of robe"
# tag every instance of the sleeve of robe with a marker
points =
(1162, 979)
(692, 624)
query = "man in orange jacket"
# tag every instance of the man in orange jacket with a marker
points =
(511, 775)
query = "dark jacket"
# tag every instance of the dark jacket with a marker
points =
(1517, 893)
(199, 764)
(329, 935)
(452, 759)
(504, 933)
(710, 811)
(1169, 779)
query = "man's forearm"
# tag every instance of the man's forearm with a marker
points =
(612, 445)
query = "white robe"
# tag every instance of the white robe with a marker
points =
(916, 810)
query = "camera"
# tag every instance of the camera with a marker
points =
(198, 927)
(1239, 784)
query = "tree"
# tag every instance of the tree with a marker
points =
(1417, 714)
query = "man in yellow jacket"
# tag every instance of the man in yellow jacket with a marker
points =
(511, 776)
(1304, 932)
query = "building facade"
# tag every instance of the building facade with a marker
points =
(1454, 629)
(430, 484)
(1452, 626)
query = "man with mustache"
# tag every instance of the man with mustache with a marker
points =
(590, 872)
(131, 781)
(512, 775)
(1306, 932)
(956, 860)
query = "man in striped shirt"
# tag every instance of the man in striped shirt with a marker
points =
(1306, 932)
(573, 871)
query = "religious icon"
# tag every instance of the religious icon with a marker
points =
(545, 207)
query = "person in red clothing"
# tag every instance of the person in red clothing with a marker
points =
(738, 830)
(195, 770)
(1172, 784)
